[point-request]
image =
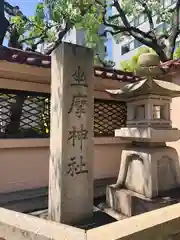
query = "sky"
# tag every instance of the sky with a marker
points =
(26, 6)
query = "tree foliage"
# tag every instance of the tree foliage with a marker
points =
(54, 18)
(131, 64)
(177, 53)
(120, 25)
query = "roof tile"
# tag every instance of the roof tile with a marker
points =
(40, 60)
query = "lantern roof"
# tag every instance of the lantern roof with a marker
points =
(145, 87)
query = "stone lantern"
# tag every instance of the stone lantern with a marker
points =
(149, 169)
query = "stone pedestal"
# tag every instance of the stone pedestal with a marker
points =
(149, 170)
(145, 173)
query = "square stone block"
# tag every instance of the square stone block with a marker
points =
(130, 203)
(148, 134)
(149, 170)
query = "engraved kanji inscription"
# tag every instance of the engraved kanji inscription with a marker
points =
(79, 103)
(80, 135)
(75, 167)
(78, 78)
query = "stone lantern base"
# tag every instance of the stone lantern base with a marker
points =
(129, 203)
(145, 173)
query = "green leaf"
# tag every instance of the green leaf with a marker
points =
(131, 64)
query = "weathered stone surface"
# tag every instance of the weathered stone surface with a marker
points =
(18, 226)
(161, 224)
(71, 142)
(148, 167)
(148, 134)
(148, 64)
(148, 59)
(131, 203)
(142, 170)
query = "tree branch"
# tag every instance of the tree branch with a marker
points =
(131, 29)
(122, 14)
(69, 24)
(4, 22)
(104, 34)
(30, 38)
(145, 38)
(15, 11)
(106, 64)
(127, 28)
(114, 17)
(148, 12)
(175, 30)
(61, 35)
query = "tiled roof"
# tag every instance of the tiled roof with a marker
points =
(22, 57)
(114, 74)
(171, 64)
(40, 60)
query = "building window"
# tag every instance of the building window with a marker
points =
(125, 49)
(167, 3)
(136, 22)
(177, 44)
(137, 44)
(145, 17)
(160, 29)
(141, 18)
(132, 23)
(166, 26)
(109, 46)
(131, 45)
(109, 11)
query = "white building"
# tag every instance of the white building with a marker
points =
(75, 36)
(128, 45)
(78, 37)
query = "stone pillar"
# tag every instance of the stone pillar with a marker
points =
(130, 112)
(166, 112)
(148, 114)
(71, 141)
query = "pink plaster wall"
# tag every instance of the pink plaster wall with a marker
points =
(175, 113)
(175, 118)
(24, 162)
(107, 160)
(23, 168)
